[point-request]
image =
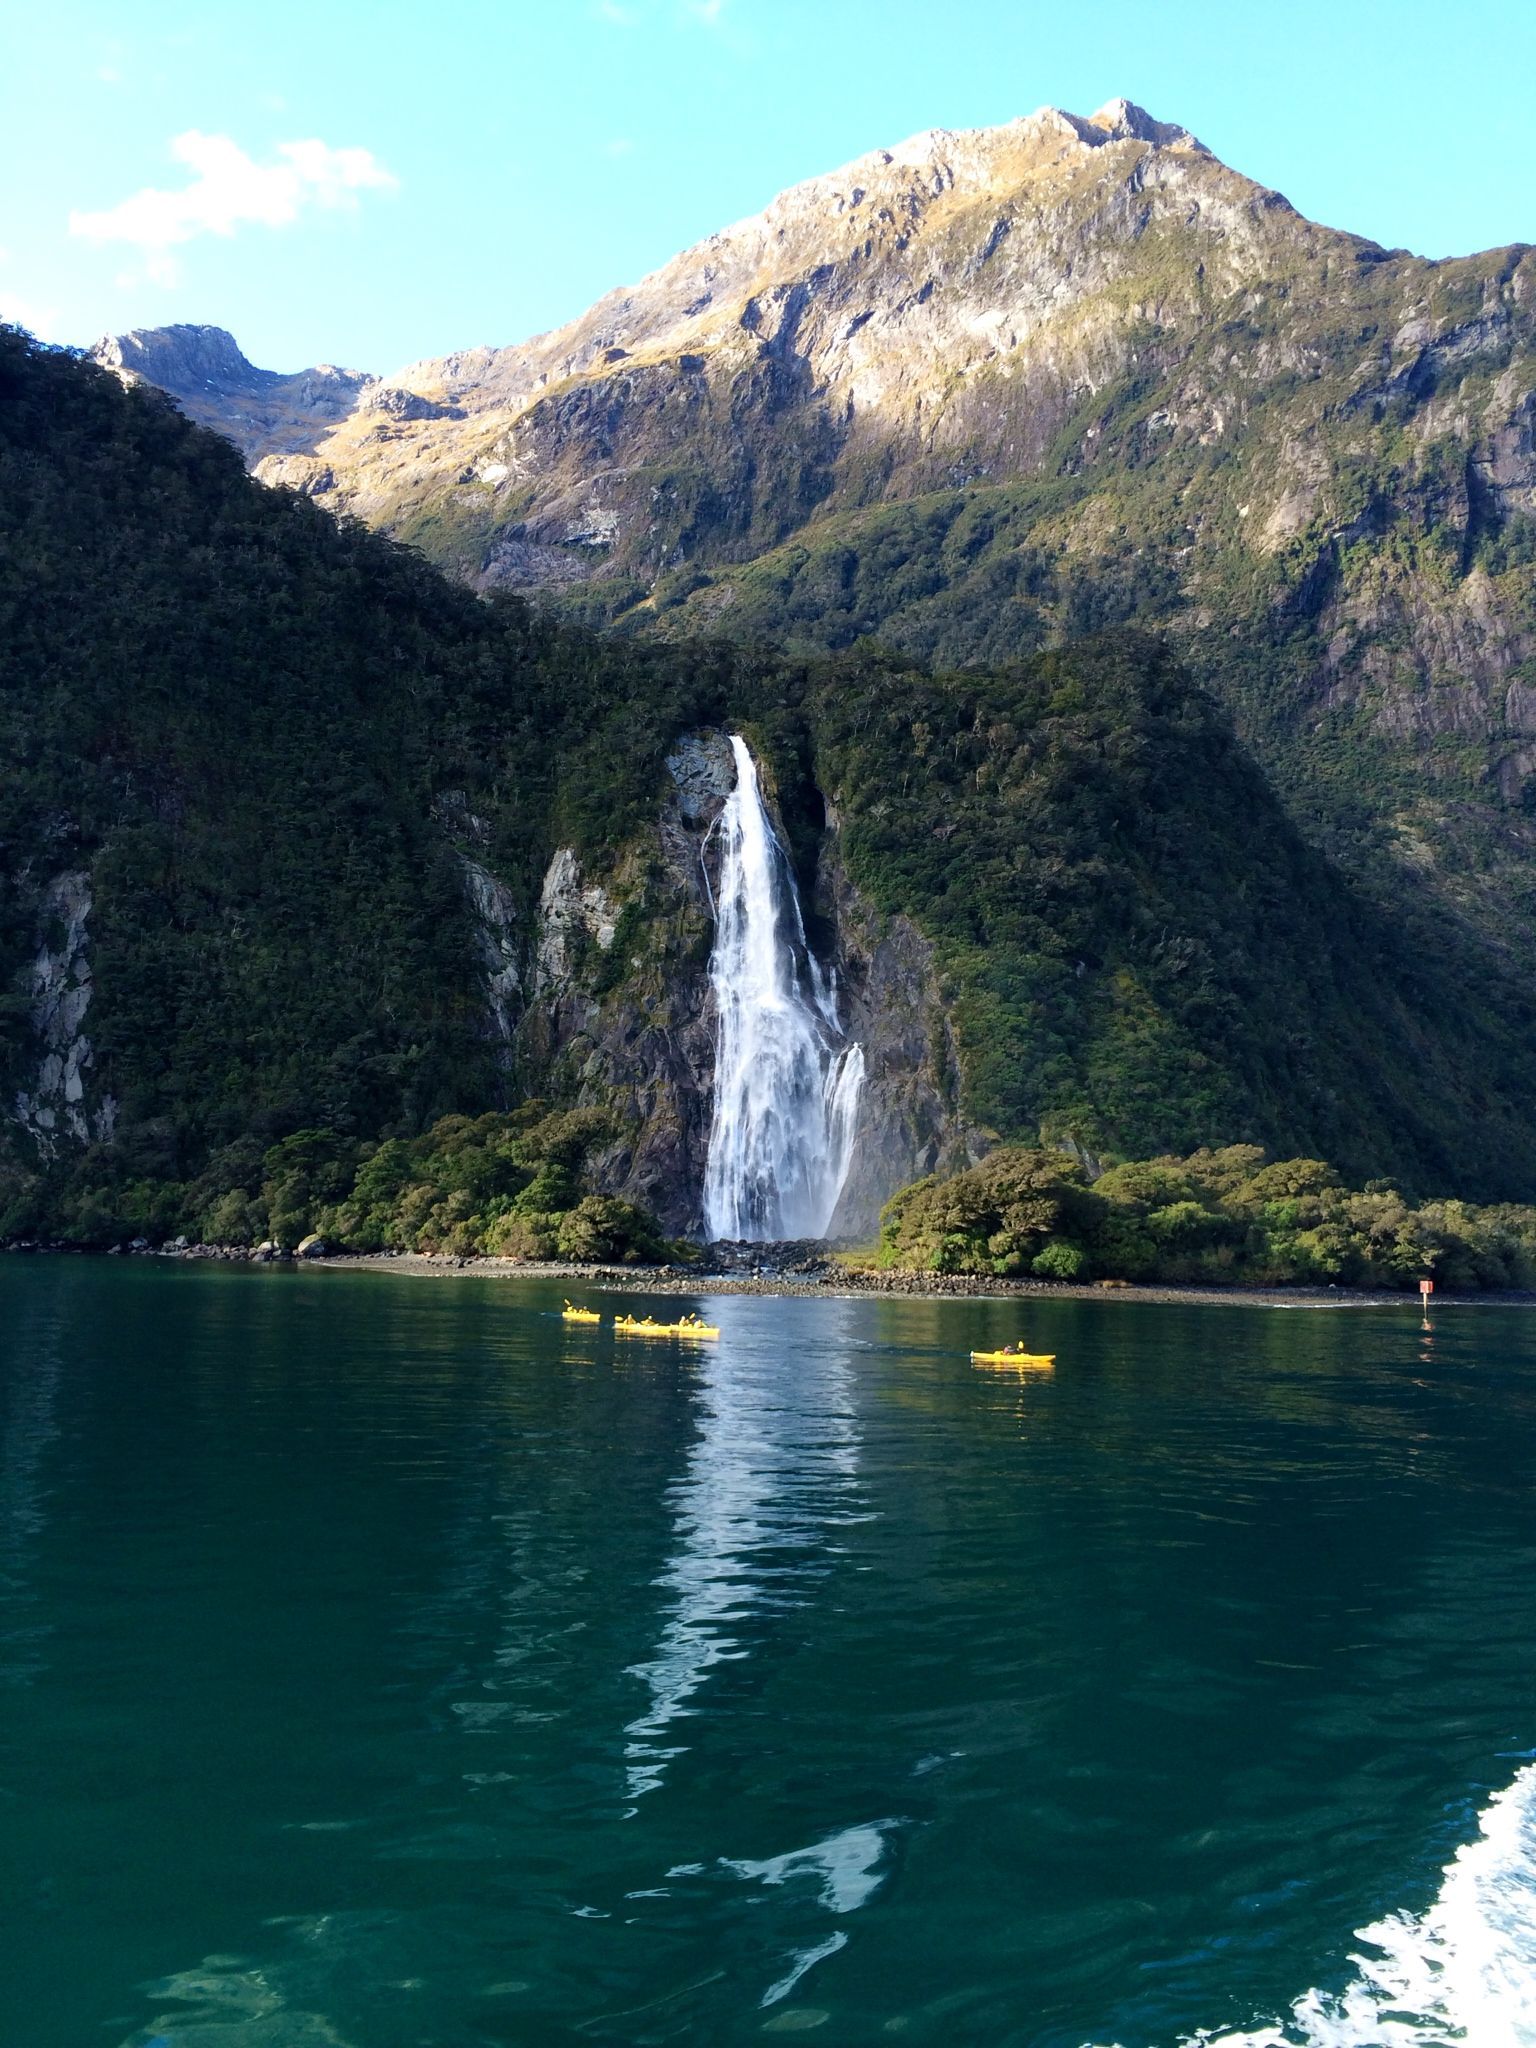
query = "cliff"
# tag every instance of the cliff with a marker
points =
(266, 413)
(298, 837)
(620, 1013)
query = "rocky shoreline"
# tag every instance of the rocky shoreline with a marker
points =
(806, 1269)
(831, 1279)
(793, 1270)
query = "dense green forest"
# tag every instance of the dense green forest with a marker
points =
(1220, 1217)
(509, 1185)
(269, 742)
(262, 735)
(1142, 952)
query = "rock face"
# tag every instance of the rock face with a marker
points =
(909, 1120)
(264, 412)
(628, 1022)
(631, 1030)
(497, 926)
(59, 1103)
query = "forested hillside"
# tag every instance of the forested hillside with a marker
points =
(281, 806)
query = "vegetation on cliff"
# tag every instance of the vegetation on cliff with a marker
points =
(1227, 1217)
(265, 757)
(267, 744)
(1141, 952)
(512, 1185)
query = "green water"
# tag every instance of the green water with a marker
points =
(384, 1664)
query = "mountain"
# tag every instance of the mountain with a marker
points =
(985, 392)
(856, 342)
(263, 412)
(303, 845)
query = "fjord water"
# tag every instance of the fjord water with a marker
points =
(383, 1663)
(786, 1092)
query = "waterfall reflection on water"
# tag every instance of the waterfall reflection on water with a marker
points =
(773, 1471)
(787, 1086)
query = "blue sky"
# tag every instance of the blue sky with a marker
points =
(369, 184)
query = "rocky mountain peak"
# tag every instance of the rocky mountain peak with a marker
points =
(265, 412)
(1123, 121)
(892, 208)
(863, 251)
(964, 309)
(183, 357)
(966, 160)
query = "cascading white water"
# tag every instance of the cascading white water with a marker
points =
(786, 1087)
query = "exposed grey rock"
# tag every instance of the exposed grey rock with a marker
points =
(58, 1105)
(909, 1115)
(1508, 468)
(513, 563)
(306, 474)
(496, 922)
(264, 412)
(569, 910)
(704, 769)
(398, 404)
(644, 1045)
(184, 357)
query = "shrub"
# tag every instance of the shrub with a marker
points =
(1217, 1217)
(1060, 1261)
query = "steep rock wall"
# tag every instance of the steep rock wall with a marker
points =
(909, 1119)
(621, 1012)
(57, 1101)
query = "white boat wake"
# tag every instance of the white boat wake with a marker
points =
(1462, 1974)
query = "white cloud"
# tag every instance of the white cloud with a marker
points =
(228, 190)
(38, 319)
(684, 13)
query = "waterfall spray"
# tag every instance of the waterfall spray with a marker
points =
(786, 1085)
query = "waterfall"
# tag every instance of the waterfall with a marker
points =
(786, 1084)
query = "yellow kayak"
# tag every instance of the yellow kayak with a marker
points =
(1013, 1358)
(579, 1315)
(690, 1326)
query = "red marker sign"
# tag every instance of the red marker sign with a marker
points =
(1426, 1288)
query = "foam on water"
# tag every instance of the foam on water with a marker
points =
(1460, 1975)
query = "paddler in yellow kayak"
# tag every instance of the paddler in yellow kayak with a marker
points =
(1014, 1354)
